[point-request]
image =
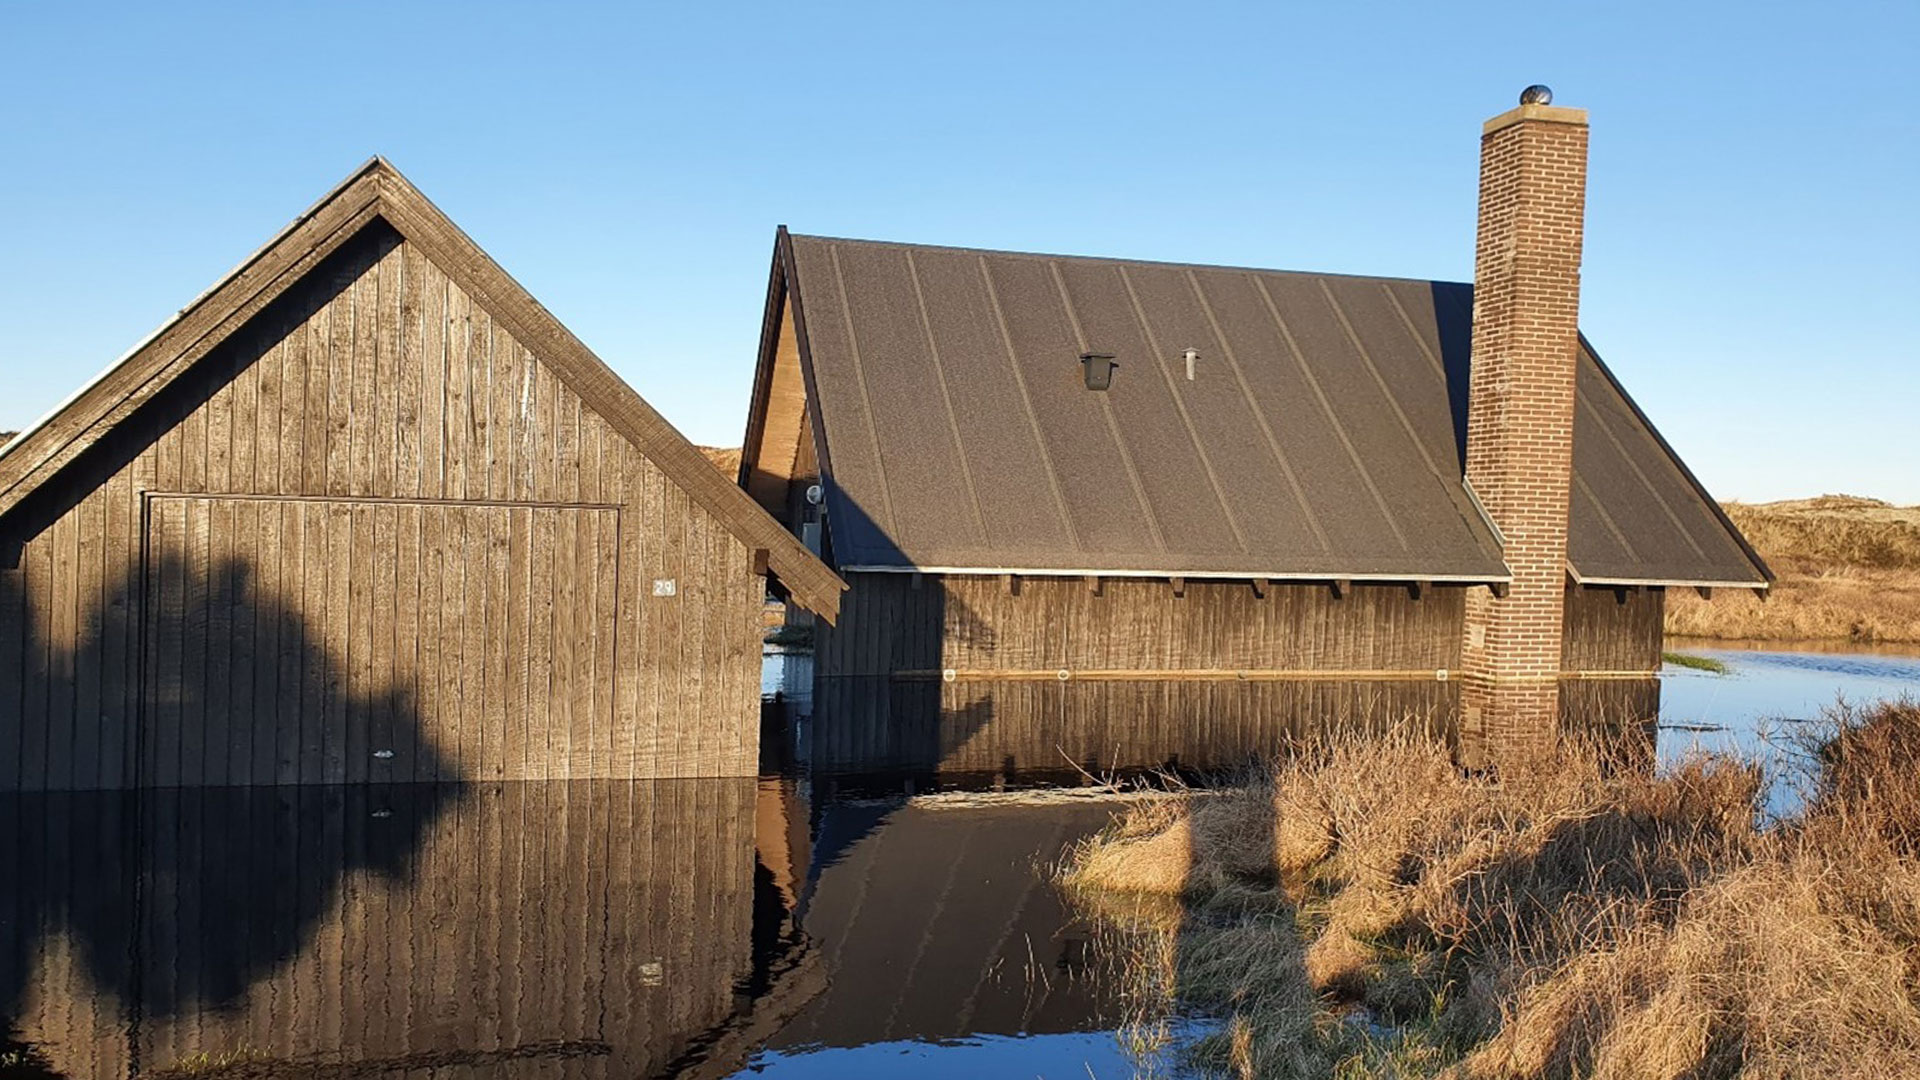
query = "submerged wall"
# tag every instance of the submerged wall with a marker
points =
(1204, 677)
(959, 676)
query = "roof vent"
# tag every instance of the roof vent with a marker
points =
(1536, 95)
(1099, 369)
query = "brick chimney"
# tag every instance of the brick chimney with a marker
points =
(1526, 316)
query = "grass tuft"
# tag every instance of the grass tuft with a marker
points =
(1368, 909)
(1697, 663)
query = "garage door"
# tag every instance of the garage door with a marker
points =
(342, 641)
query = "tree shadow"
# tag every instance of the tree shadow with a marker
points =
(591, 927)
(164, 900)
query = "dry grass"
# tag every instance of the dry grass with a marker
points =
(724, 458)
(1849, 569)
(1582, 921)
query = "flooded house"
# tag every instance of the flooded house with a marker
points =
(1101, 513)
(365, 512)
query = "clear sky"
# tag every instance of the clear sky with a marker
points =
(1753, 234)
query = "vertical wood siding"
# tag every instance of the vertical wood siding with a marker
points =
(1616, 632)
(583, 929)
(867, 719)
(371, 393)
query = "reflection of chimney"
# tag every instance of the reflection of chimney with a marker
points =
(1526, 315)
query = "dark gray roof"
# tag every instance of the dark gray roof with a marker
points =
(1321, 435)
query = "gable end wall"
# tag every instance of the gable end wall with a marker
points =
(377, 391)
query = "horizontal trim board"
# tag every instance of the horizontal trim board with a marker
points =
(1225, 675)
(1171, 675)
(403, 500)
(1275, 577)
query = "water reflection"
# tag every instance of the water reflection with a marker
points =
(704, 928)
(594, 928)
(588, 928)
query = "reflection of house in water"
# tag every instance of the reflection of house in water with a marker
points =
(916, 922)
(1119, 511)
(585, 928)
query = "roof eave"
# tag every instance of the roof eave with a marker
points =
(1195, 575)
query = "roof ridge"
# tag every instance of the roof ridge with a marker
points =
(1172, 263)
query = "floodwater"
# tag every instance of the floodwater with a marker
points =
(780, 927)
(1774, 694)
(703, 928)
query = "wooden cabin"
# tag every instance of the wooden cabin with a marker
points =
(365, 511)
(1103, 513)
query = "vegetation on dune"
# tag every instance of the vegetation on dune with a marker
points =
(1849, 568)
(1368, 909)
(724, 458)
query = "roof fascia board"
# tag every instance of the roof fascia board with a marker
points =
(219, 283)
(1670, 583)
(376, 189)
(63, 434)
(797, 311)
(1199, 575)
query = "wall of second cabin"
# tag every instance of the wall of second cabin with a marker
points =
(1610, 656)
(448, 551)
(1314, 662)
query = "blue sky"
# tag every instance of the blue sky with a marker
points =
(1753, 237)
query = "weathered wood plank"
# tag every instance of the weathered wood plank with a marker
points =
(577, 757)
(524, 758)
(340, 655)
(564, 705)
(300, 633)
(499, 615)
(544, 641)
(268, 705)
(336, 344)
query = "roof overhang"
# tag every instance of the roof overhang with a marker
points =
(1191, 575)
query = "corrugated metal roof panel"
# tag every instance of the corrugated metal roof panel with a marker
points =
(1320, 436)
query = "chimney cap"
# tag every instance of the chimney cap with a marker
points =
(1537, 94)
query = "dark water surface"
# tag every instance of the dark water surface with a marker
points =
(783, 927)
(582, 929)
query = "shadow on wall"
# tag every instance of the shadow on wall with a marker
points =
(1453, 319)
(174, 899)
(224, 684)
